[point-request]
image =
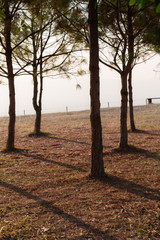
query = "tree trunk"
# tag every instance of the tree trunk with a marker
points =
(97, 165)
(132, 122)
(39, 113)
(37, 125)
(123, 125)
(37, 101)
(131, 58)
(12, 116)
(8, 53)
(38, 108)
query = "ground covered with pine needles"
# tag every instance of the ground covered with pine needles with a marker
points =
(46, 191)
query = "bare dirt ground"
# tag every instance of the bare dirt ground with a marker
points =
(46, 192)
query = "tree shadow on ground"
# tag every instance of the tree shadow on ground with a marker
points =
(144, 132)
(69, 140)
(14, 150)
(136, 150)
(131, 187)
(74, 141)
(54, 162)
(56, 210)
(39, 135)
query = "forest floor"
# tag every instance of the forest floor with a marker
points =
(46, 192)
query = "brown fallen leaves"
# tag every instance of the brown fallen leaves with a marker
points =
(46, 192)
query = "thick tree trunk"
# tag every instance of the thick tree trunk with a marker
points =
(131, 112)
(97, 165)
(123, 124)
(12, 114)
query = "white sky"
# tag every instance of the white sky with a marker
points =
(61, 93)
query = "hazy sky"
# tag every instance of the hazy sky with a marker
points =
(61, 93)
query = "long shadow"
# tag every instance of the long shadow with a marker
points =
(136, 150)
(54, 162)
(69, 140)
(146, 153)
(144, 132)
(49, 206)
(73, 141)
(132, 187)
(48, 135)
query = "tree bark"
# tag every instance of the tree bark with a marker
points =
(131, 58)
(131, 112)
(97, 165)
(37, 94)
(37, 108)
(37, 104)
(8, 53)
(124, 101)
(37, 128)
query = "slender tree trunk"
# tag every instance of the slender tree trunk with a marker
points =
(41, 86)
(37, 108)
(131, 112)
(97, 165)
(12, 115)
(124, 101)
(131, 58)
(36, 105)
(37, 94)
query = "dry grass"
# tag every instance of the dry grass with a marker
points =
(45, 191)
